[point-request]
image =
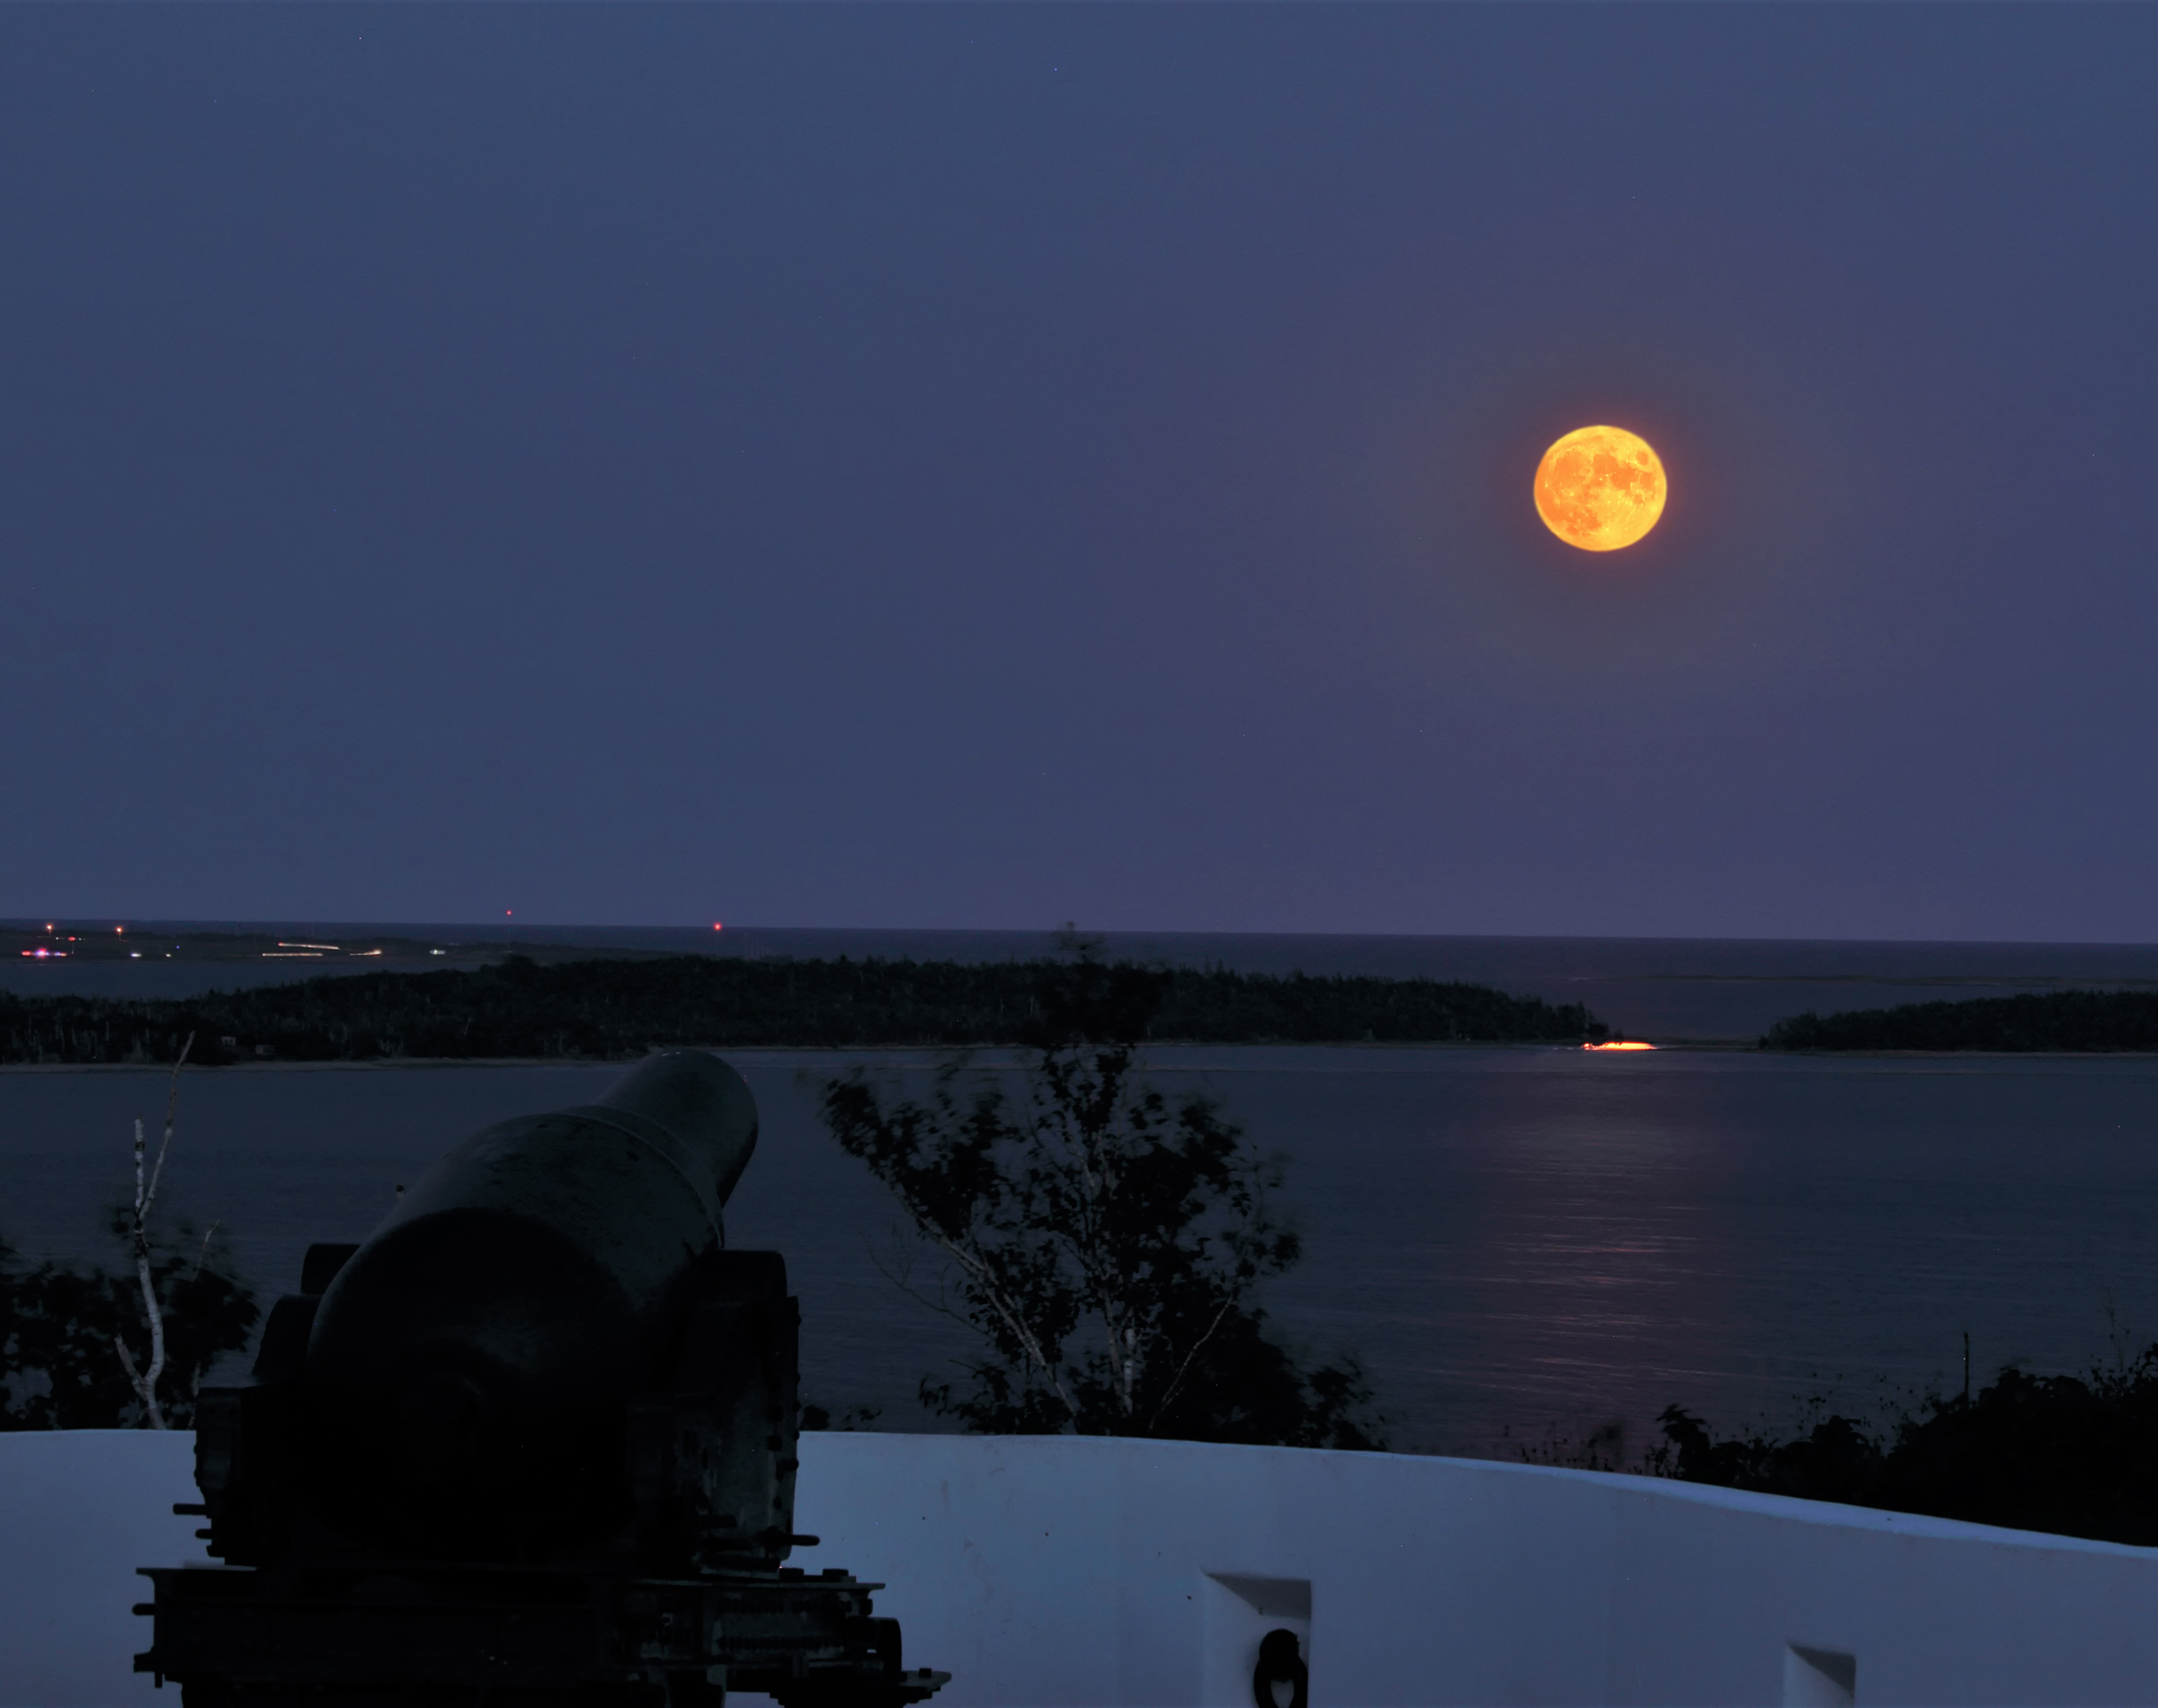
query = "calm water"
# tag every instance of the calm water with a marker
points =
(1515, 1240)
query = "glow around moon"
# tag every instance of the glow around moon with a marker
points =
(1600, 488)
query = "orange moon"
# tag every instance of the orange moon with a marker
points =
(1600, 488)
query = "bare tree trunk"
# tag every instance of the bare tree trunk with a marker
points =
(1013, 1319)
(145, 1382)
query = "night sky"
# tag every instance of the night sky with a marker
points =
(983, 466)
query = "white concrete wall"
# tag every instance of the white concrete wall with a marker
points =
(79, 1511)
(1069, 1571)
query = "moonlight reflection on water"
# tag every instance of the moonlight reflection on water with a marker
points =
(1516, 1241)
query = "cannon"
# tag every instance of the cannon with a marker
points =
(531, 1445)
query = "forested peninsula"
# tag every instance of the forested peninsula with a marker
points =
(605, 1009)
(2067, 1022)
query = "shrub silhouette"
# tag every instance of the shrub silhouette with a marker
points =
(2078, 1457)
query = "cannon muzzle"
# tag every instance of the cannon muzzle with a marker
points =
(468, 1369)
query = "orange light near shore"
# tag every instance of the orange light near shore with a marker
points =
(1618, 1047)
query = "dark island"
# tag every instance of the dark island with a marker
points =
(2067, 1022)
(608, 1010)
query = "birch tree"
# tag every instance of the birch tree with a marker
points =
(145, 1380)
(1105, 1244)
(70, 1335)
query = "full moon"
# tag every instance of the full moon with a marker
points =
(1600, 488)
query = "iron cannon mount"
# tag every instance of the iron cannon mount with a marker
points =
(532, 1444)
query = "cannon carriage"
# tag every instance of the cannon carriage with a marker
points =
(532, 1443)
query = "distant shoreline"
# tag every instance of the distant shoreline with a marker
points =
(618, 1010)
(395, 1064)
(991, 1054)
(1699, 991)
(2068, 1022)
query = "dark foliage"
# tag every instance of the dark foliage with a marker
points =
(1104, 1243)
(612, 1010)
(2075, 1457)
(813, 1417)
(58, 1366)
(2072, 1021)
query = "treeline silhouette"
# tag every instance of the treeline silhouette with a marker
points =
(2068, 1021)
(2032, 1453)
(609, 1009)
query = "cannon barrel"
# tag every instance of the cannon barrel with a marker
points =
(534, 1441)
(469, 1370)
